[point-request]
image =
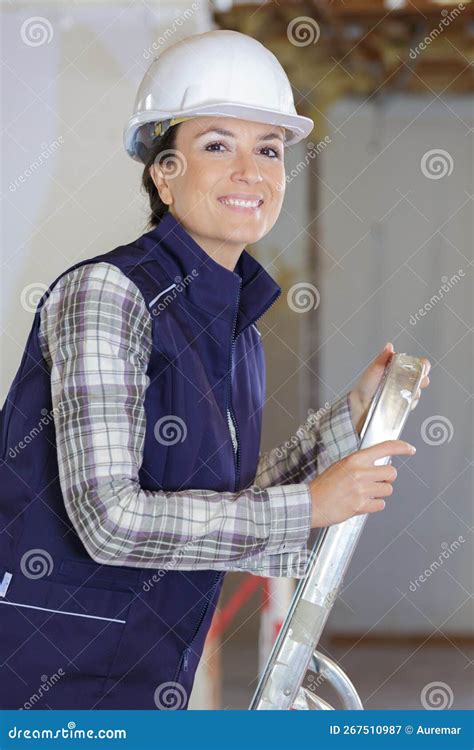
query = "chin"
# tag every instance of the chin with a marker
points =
(246, 231)
(245, 237)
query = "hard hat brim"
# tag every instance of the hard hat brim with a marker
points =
(298, 126)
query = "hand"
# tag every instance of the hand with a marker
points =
(355, 485)
(364, 391)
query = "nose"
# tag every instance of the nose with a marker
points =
(246, 168)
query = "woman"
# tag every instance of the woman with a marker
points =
(132, 478)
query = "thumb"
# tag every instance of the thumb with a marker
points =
(383, 357)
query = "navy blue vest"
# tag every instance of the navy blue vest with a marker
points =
(77, 634)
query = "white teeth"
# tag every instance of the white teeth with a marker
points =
(244, 204)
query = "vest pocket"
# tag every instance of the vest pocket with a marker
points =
(183, 664)
(49, 629)
(94, 575)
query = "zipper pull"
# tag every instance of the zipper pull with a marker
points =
(4, 584)
(185, 660)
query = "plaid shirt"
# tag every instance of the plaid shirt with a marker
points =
(96, 337)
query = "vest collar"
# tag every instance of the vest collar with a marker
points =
(210, 286)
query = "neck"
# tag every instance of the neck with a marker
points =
(225, 253)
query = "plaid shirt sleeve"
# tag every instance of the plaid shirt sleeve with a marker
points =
(316, 444)
(96, 337)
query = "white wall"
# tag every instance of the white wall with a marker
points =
(83, 198)
(69, 189)
(395, 234)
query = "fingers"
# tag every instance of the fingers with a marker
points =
(371, 506)
(374, 473)
(387, 448)
(387, 473)
(425, 379)
(423, 384)
(426, 365)
(379, 489)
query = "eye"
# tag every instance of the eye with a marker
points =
(220, 143)
(275, 151)
(214, 143)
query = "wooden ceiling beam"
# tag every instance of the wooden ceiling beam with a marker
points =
(364, 47)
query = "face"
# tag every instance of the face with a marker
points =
(225, 158)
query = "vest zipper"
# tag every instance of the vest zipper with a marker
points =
(261, 315)
(184, 660)
(236, 453)
(229, 405)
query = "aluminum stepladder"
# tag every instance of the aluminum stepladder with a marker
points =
(294, 652)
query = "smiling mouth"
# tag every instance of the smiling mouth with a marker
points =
(240, 204)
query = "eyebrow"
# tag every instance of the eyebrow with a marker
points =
(221, 131)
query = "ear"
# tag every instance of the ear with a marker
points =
(153, 173)
(158, 176)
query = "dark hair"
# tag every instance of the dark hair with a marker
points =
(148, 156)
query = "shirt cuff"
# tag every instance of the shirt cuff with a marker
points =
(282, 565)
(291, 512)
(337, 430)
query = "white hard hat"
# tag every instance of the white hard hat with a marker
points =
(220, 72)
